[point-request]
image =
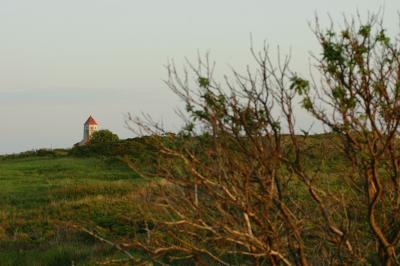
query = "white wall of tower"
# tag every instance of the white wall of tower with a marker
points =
(88, 131)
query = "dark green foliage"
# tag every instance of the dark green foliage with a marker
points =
(102, 137)
(137, 150)
(299, 85)
(204, 82)
(37, 153)
(135, 147)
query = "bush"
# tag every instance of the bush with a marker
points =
(102, 137)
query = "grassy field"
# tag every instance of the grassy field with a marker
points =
(41, 198)
(45, 195)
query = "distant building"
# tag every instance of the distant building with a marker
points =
(89, 128)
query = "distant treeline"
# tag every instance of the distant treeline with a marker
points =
(319, 148)
(131, 147)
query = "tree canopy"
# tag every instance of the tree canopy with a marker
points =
(103, 136)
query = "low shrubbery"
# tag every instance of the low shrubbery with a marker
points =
(38, 153)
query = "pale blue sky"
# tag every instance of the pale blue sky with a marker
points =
(61, 60)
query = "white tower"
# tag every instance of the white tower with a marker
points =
(89, 128)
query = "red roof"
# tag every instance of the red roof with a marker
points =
(90, 121)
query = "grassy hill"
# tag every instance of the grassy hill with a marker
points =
(42, 197)
(45, 194)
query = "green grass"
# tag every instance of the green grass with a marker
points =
(40, 197)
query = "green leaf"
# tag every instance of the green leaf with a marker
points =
(383, 39)
(204, 82)
(365, 31)
(346, 34)
(307, 104)
(300, 85)
(338, 93)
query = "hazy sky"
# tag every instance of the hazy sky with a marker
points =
(61, 60)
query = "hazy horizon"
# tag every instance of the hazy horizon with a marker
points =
(62, 61)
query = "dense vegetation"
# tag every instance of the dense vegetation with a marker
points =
(103, 136)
